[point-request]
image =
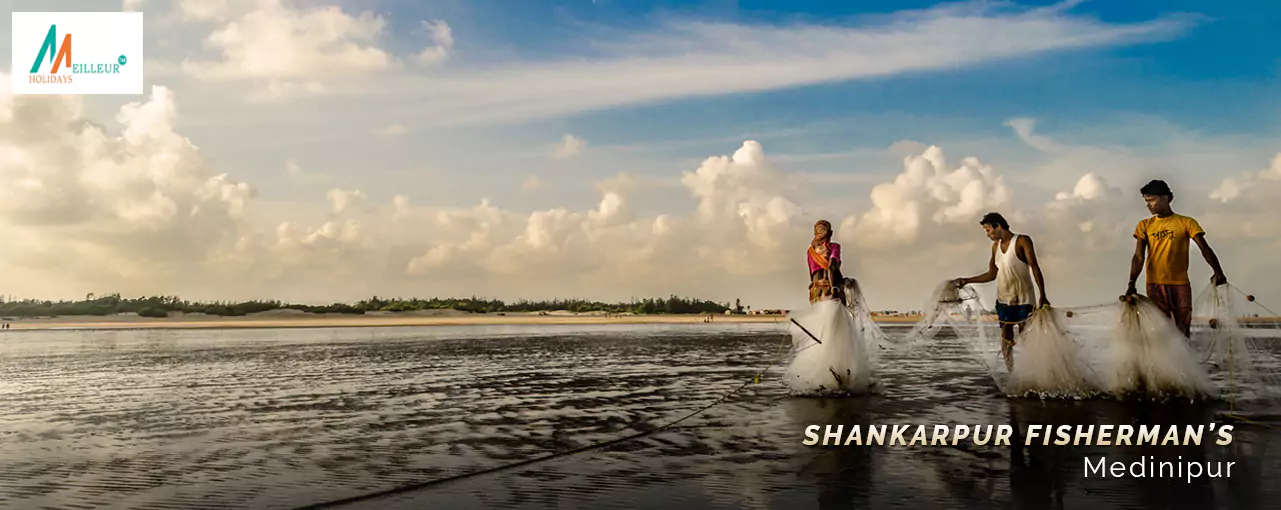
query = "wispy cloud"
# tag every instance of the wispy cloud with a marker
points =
(442, 38)
(683, 59)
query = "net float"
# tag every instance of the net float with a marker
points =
(1249, 297)
(1069, 314)
(1214, 323)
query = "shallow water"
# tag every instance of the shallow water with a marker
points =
(287, 418)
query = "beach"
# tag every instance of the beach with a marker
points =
(296, 319)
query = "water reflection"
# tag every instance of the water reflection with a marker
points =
(279, 419)
(842, 475)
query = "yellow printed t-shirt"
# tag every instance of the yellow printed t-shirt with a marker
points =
(1169, 241)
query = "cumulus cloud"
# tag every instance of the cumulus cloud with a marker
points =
(1084, 235)
(286, 51)
(929, 195)
(740, 229)
(345, 200)
(136, 207)
(1233, 187)
(1247, 206)
(569, 147)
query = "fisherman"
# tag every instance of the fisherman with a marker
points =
(1013, 265)
(824, 260)
(1163, 240)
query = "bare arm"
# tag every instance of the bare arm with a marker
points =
(1029, 252)
(985, 277)
(1210, 258)
(1136, 262)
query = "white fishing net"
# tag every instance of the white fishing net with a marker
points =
(1050, 363)
(1229, 331)
(957, 314)
(834, 347)
(1150, 356)
(871, 333)
(1125, 349)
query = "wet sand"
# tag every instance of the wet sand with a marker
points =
(282, 418)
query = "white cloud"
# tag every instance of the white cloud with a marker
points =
(401, 207)
(393, 130)
(1233, 187)
(1090, 187)
(212, 10)
(132, 5)
(682, 59)
(346, 200)
(298, 174)
(569, 147)
(929, 192)
(136, 207)
(287, 51)
(1023, 128)
(442, 38)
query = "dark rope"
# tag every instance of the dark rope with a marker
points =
(432, 483)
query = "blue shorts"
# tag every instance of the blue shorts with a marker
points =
(1009, 314)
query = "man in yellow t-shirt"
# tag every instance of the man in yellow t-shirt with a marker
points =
(1164, 240)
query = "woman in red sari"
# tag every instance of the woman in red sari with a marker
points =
(840, 359)
(825, 265)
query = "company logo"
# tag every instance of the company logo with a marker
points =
(107, 60)
(60, 60)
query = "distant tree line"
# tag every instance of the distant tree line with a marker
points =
(162, 306)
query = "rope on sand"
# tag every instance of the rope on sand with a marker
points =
(440, 481)
(1234, 416)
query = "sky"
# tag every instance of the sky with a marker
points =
(319, 151)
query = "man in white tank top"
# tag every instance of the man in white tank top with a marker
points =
(1013, 266)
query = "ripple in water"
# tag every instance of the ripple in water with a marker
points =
(285, 418)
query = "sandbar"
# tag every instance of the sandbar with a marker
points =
(384, 319)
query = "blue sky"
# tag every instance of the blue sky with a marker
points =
(1217, 76)
(418, 139)
(1220, 75)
